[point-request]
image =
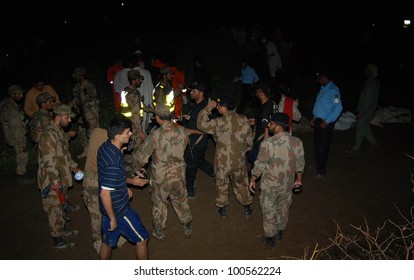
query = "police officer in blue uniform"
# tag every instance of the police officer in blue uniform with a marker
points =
(326, 111)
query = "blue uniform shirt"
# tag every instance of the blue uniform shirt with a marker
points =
(249, 76)
(328, 105)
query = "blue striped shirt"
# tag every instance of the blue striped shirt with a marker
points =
(328, 105)
(112, 176)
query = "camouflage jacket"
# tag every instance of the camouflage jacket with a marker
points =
(54, 158)
(166, 145)
(40, 120)
(280, 157)
(85, 94)
(11, 119)
(232, 134)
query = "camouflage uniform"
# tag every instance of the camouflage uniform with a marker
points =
(166, 145)
(14, 130)
(55, 169)
(233, 137)
(280, 157)
(85, 99)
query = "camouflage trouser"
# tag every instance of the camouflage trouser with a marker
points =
(275, 204)
(239, 180)
(91, 201)
(21, 160)
(177, 192)
(21, 156)
(92, 117)
(54, 213)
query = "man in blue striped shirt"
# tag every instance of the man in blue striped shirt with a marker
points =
(326, 110)
(118, 218)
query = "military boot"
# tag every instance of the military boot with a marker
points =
(222, 212)
(188, 230)
(158, 233)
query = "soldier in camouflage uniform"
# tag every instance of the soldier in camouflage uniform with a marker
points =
(134, 111)
(164, 87)
(234, 137)
(42, 117)
(55, 174)
(280, 164)
(86, 103)
(166, 145)
(14, 130)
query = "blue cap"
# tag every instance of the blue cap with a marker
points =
(226, 101)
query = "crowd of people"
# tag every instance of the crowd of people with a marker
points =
(152, 133)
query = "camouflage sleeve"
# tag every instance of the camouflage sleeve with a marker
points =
(262, 159)
(300, 156)
(146, 149)
(48, 149)
(16, 125)
(249, 136)
(204, 123)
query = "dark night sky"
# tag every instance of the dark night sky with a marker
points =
(96, 23)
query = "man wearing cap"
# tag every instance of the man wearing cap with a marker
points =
(39, 87)
(132, 108)
(55, 174)
(367, 105)
(42, 117)
(166, 146)
(233, 137)
(14, 130)
(280, 164)
(86, 102)
(198, 142)
(326, 111)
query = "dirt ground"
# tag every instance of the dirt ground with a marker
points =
(370, 185)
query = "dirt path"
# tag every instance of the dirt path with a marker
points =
(369, 185)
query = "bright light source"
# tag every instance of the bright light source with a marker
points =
(406, 23)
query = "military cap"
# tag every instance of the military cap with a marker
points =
(44, 97)
(134, 74)
(79, 71)
(226, 101)
(198, 86)
(63, 109)
(162, 110)
(280, 118)
(15, 89)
